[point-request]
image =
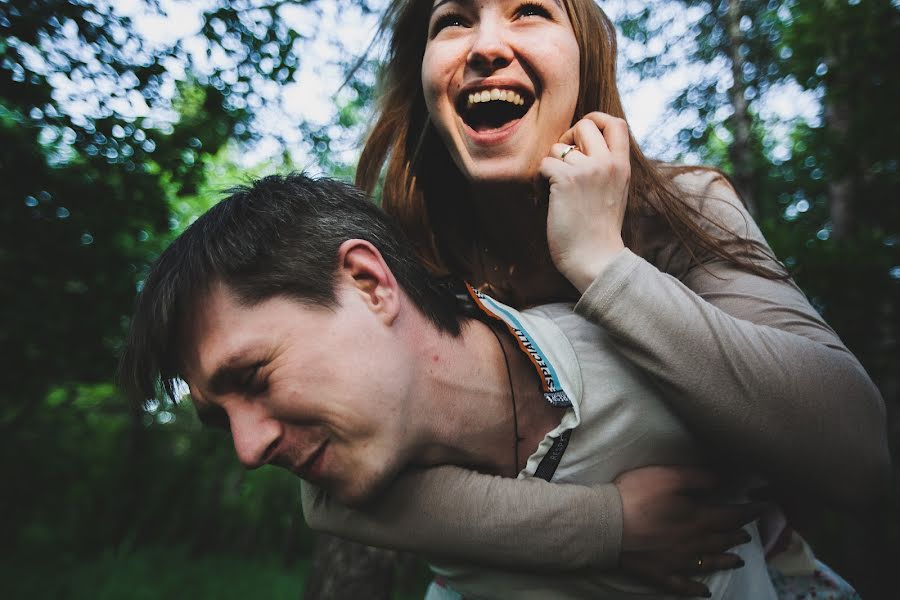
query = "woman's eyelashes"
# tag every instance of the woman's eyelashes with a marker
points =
(448, 19)
(453, 18)
(533, 9)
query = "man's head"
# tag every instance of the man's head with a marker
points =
(281, 307)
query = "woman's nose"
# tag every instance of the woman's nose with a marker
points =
(490, 49)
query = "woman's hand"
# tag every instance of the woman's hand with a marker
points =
(588, 194)
(672, 531)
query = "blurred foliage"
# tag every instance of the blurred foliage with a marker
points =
(150, 574)
(109, 146)
(825, 192)
(841, 52)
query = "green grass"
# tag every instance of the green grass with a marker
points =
(150, 575)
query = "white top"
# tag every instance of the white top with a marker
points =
(618, 421)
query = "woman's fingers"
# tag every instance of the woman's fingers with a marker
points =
(553, 169)
(614, 130)
(705, 564)
(660, 570)
(673, 529)
(672, 571)
(588, 196)
(588, 136)
(716, 543)
(597, 132)
(568, 153)
(729, 517)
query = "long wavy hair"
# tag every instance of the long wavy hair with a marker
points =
(428, 195)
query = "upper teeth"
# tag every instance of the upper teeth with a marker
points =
(496, 94)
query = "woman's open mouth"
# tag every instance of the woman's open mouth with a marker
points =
(493, 109)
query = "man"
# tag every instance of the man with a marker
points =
(301, 321)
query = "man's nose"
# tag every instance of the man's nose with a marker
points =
(255, 435)
(490, 48)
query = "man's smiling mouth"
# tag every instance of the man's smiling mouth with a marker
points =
(490, 109)
(310, 468)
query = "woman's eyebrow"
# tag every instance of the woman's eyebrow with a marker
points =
(440, 3)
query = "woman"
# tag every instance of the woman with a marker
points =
(508, 163)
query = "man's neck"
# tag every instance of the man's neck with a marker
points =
(476, 397)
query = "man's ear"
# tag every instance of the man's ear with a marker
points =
(361, 266)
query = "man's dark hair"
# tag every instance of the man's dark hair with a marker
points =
(277, 237)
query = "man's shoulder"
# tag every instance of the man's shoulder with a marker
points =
(571, 325)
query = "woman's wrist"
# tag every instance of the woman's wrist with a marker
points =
(584, 270)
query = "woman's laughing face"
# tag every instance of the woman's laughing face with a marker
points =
(501, 80)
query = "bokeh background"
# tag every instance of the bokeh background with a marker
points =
(121, 121)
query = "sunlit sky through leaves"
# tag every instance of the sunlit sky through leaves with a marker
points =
(337, 32)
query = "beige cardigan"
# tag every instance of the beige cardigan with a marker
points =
(745, 361)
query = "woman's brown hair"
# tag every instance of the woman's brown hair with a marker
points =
(427, 194)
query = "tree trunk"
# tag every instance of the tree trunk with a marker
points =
(740, 152)
(344, 570)
(842, 186)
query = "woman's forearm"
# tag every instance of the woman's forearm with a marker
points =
(451, 513)
(751, 368)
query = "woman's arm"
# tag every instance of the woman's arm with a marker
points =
(454, 514)
(746, 361)
(655, 529)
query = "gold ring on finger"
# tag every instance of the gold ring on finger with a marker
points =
(566, 152)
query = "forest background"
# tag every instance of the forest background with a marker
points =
(111, 143)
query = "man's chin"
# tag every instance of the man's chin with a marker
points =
(357, 494)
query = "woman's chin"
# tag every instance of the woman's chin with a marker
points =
(500, 172)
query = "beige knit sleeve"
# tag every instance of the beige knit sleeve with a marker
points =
(454, 514)
(747, 362)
